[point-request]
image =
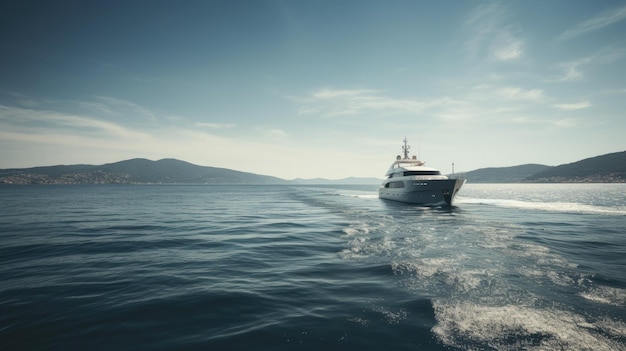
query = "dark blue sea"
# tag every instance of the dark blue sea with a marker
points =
(165, 267)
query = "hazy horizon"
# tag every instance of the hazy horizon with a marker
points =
(297, 89)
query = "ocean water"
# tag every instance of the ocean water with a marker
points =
(162, 267)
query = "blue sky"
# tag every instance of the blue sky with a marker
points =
(311, 88)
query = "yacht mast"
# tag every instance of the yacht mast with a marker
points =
(405, 149)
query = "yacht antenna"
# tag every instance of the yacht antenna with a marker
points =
(405, 149)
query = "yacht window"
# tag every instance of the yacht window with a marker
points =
(421, 173)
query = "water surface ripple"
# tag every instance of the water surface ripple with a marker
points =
(167, 267)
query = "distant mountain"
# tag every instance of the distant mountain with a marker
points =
(166, 171)
(504, 174)
(607, 168)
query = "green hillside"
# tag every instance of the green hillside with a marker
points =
(607, 168)
(166, 171)
(513, 174)
(604, 168)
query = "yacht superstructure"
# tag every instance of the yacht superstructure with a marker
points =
(409, 180)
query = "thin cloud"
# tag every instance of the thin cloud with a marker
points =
(334, 94)
(572, 107)
(571, 71)
(276, 133)
(97, 107)
(482, 22)
(101, 106)
(338, 102)
(605, 19)
(508, 50)
(123, 106)
(215, 125)
(566, 122)
(491, 34)
(515, 93)
(173, 118)
(611, 92)
(74, 141)
(44, 122)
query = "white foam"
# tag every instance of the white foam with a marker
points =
(447, 274)
(482, 301)
(392, 317)
(606, 295)
(515, 327)
(540, 255)
(616, 328)
(560, 278)
(569, 207)
(361, 196)
(352, 231)
(360, 229)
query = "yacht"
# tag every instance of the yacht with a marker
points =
(409, 180)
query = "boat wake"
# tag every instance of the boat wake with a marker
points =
(492, 282)
(564, 207)
(362, 196)
(488, 288)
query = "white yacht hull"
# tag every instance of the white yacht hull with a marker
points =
(435, 192)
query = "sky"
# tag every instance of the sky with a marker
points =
(305, 89)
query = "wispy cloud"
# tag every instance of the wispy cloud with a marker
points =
(604, 19)
(215, 125)
(122, 106)
(508, 51)
(44, 121)
(69, 137)
(574, 106)
(571, 70)
(337, 102)
(516, 93)
(491, 34)
(276, 133)
(487, 105)
(566, 122)
(482, 104)
(338, 93)
(102, 106)
(53, 135)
